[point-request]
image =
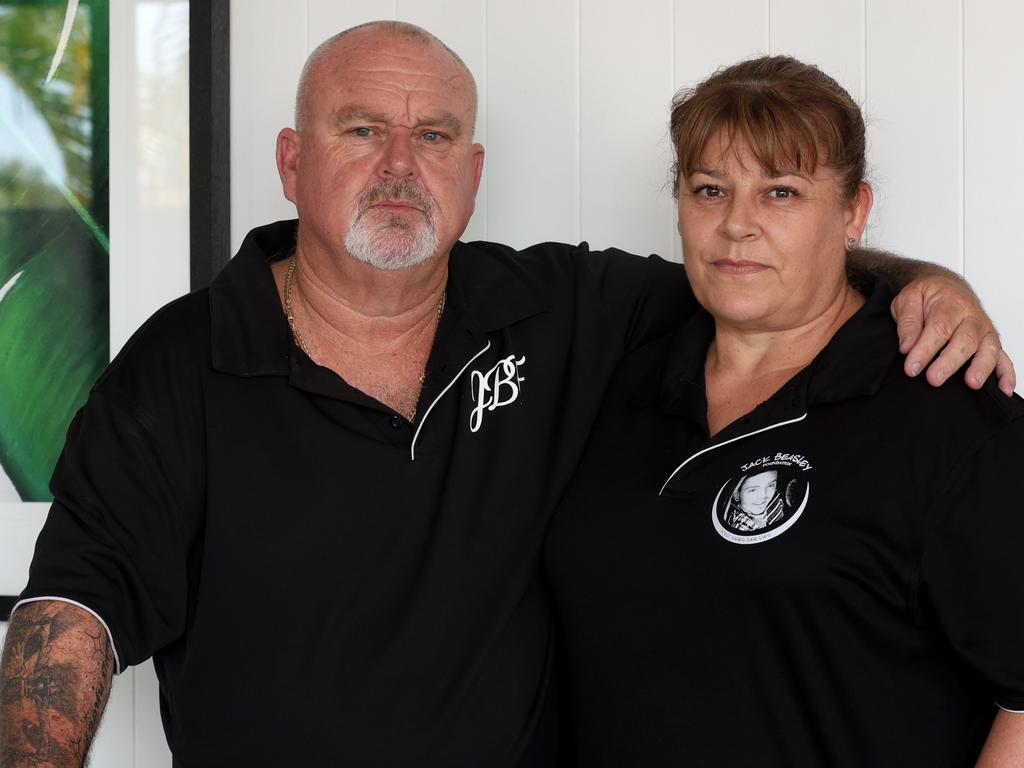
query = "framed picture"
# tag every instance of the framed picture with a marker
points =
(114, 199)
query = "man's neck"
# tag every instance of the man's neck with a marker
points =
(373, 328)
(344, 303)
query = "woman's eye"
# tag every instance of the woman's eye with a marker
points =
(708, 190)
(782, 193)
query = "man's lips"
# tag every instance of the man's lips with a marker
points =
(738, 266)
(396, 204)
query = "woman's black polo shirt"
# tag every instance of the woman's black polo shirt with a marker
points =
(832, 580)
(322, 583)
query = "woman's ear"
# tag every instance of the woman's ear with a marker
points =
(860, 207)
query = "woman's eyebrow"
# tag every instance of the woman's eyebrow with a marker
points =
(778, 173)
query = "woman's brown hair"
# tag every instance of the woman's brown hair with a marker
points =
(792, 116)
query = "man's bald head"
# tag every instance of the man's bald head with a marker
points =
(394, 29)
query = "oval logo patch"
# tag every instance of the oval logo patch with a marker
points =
(764, 499)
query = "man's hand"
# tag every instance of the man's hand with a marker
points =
(940, 312)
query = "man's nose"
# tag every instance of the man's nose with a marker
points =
(398, 160)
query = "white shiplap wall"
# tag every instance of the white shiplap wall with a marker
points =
(574, 98)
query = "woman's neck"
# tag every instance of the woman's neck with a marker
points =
(744, 367)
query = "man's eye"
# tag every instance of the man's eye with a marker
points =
(362, 132)
(433, 137)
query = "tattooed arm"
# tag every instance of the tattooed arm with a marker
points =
(54, 681)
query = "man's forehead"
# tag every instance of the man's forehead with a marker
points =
(425, 78)
(376, 55)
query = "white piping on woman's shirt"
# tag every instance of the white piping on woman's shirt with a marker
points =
(726, 442)
(412, 448)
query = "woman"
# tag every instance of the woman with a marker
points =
(867, 611)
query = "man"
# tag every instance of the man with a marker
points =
(317, 491)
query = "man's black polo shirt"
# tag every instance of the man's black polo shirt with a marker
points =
(832, 580)
(321, 582)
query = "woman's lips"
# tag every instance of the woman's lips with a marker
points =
(741, 267)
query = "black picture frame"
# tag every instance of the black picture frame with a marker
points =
(209, 139)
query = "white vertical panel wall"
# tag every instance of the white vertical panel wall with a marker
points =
(829, 35)
(620, 88)
(533, 111)
(994, 163)
(262, 102)
(914, 101)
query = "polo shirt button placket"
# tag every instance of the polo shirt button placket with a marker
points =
(397, 422)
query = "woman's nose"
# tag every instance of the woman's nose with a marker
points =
(740, 220)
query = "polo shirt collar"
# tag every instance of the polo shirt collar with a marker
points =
(250, 335)
(249, 331)
(853, 364)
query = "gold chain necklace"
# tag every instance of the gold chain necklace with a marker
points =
(289, 280)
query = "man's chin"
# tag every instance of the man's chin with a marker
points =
(392, 247)
(393, 263)
(390, 256)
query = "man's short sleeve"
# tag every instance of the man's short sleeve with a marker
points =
(652, 296)
(118, 534)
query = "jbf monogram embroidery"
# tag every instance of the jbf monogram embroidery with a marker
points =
(498, 387)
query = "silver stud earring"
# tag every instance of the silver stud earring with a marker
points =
(851, 243)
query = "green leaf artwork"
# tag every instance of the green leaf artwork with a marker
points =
(54, 266)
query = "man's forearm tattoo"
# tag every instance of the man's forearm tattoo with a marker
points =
(54, 681)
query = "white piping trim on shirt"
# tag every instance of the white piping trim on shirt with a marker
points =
(1011, 711)
(87, 609)
(726, 442)
(412, 448)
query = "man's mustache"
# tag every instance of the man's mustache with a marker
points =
(398, 190)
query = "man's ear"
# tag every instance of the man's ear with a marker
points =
(478, 161)
(288, 144)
